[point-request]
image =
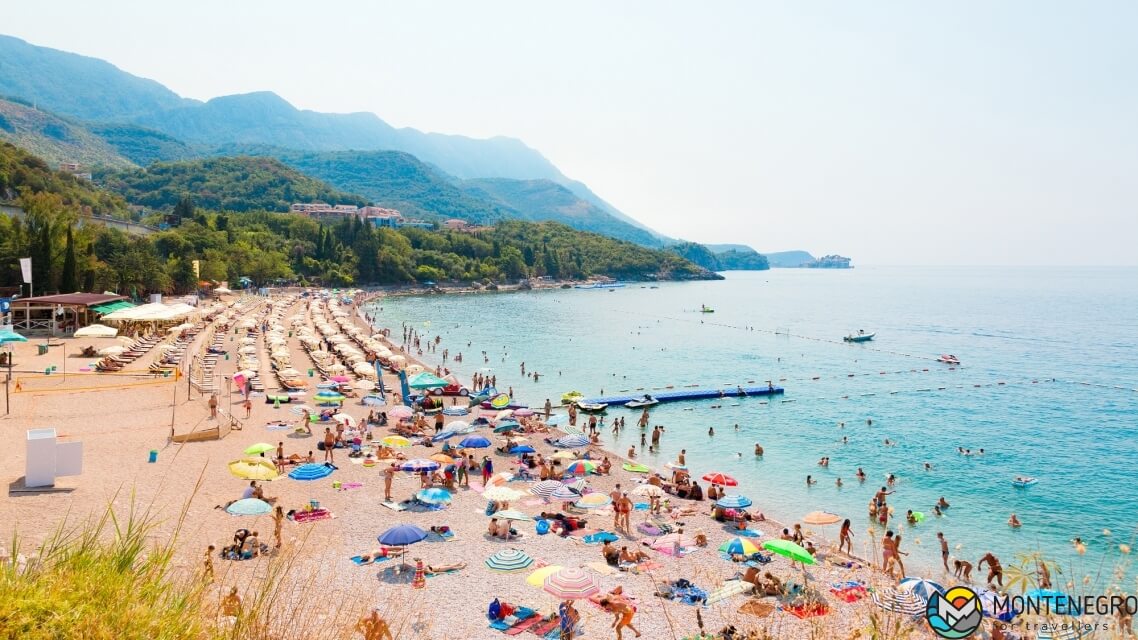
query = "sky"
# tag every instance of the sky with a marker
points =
(894, 132)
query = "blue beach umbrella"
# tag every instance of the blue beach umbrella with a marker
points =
(474, 442)
(572, 441)
(734, 502)
(434, 495)
(525, 448)
(419, 464)
(557, 420)
(249, 507)
(445, 434)
(310, 471)
(402, 535)
(507, 425)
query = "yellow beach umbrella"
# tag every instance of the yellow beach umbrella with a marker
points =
(537, 578)
(821, 518)
(254, 469)
(396, 441)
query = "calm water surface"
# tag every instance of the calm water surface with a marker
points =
(1046, 388)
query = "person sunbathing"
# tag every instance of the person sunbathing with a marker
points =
(369, 558)
(771, 586)
(445, 568)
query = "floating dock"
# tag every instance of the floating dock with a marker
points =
(689, 394)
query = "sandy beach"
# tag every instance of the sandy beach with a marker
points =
(121, 417)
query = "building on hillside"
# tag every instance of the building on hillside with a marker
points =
(454, 224)
(75, 169)
(381, 217)
(423, 224)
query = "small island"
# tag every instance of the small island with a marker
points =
(803, 260)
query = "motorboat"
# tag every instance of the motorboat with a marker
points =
(705, 309)
(948, 358)
(591, 407)
(1024, 481)
(860, 336)
(640, 403)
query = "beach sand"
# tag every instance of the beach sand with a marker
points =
(121, 418)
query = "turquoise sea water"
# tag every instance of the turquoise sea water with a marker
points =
(1060, 340)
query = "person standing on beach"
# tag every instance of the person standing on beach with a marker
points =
(623, 615)
(995, 571)
(329, 444)
(207, 567)
(487, 469)
(388, 477)
(248, 407)
(569, 618)
(213, 406)
(682, 458)
(461, 474)
(548, 408)
(278, 522)
(943, 549)
(845, 538)
(625, 511)
(572, 415)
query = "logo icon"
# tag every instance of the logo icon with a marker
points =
(956, 614)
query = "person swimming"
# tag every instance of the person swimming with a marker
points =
(942, 503)
(860, 474)
(1014, 522)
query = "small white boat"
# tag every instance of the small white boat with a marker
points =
(948, 358)
(860, 336)
(640, 403)
(1024, 481)
(591, 407)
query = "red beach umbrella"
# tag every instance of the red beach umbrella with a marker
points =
(721, 479)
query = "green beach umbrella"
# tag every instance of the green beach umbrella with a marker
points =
(260, 447)
(426, 380)
(788, 549)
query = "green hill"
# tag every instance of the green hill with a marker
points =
(228, 184)
(53, 138)
(732, 259)
(140, 145)
(76, 85)
(789, 258)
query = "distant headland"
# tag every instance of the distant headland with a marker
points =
(803, 260)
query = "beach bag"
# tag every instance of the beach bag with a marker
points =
(542, 527)
(494, 612)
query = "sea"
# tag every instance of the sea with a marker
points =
(1047, 387)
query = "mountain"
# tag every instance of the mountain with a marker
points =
(785, 259)
(53, 138)
(140, 145)
(539, 200)
(737, 257)
(78, 86)
(736, 260)
(229, 184)
(721, 248)
(23, 171)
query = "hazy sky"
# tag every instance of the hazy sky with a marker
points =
(894, 132)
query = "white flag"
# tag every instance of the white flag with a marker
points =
(26, 267)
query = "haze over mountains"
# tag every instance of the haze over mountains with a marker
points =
(68, 107)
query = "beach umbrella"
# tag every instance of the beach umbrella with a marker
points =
(112, 350)
(788, 549)
(445, 434)
(924, 589)
(464, 429)
(474, 442)
(512, 514)
(593, 501)
(96, 331)
(537, 578)
(734, 502)
(434, 495)
(741, 546)
(581, 467)
(402, 536)
(260, 447)
(649, 490)
(570, 583)
(503, 494)
(348, 420)
(509, 561)
(396, 441)
(899, 601)
(821, 518)
(564, 494)
(579, 485)
(500, 401)
(525, 448)
(310, 471)
(426, 380)
(524, 413)
(557, 420)
(249, 507)
(572, 441)
(419, 464)
(328, 398)
(721, 479)
(565, 455)
(400, 412)
(545, 488)
(442, 458)
(254, 469)
(457, 425)
(508, 424)
(340, 379)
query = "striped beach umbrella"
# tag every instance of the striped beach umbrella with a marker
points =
(734, 502)
(899, 601)
(581, 467)
(572, 441)
(571, 583)
(565, 493)
(593, 501)
(419, 464)
(924, 589)
(310, 471)
(741, 546)
(434, 495)
(249, 507)
(507, 425)
(720, 478)
(512, 514)
(400, 412)
(545, 488)
(509, 561)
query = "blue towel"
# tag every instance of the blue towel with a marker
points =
(600, 536)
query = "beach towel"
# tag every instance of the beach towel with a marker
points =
(350, 485)
(359, 560)
(757, 608)
(600, 537)
(278, 426)
(549, 626)
(810, 610)
(648, 529)
(311, 516)
(394, 506)
(746, 533)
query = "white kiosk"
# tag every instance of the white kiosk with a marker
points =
(48, 458)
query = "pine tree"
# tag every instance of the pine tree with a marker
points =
(69, 279)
